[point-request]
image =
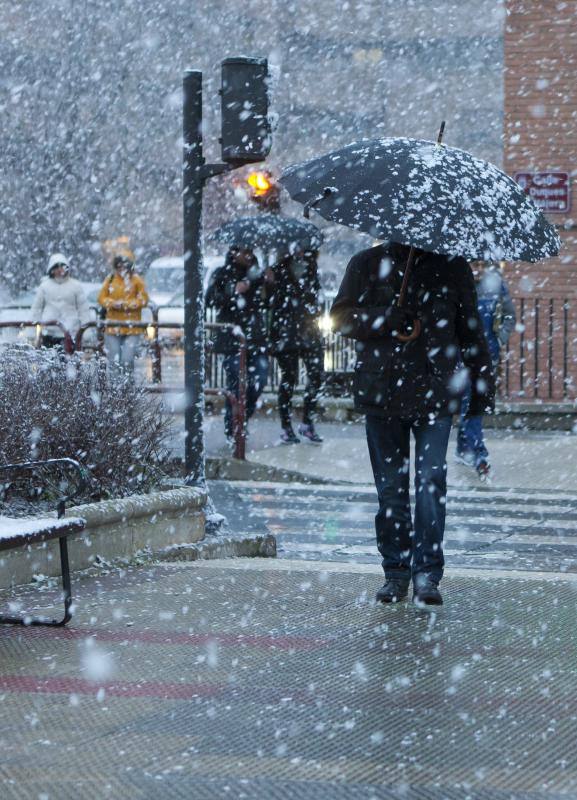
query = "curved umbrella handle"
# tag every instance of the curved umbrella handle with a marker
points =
(410, 337)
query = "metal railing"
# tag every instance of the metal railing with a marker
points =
(67, 341)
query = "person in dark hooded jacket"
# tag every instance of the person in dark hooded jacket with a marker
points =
(412, 386)
(294, 334)
(238, 292)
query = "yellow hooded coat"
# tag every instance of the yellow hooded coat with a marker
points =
(123, 297)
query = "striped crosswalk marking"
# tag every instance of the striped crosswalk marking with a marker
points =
(490, 525)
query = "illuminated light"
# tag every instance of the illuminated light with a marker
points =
(325, 323)
(259, 183)
(150, 332)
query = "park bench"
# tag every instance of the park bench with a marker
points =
(18, 532)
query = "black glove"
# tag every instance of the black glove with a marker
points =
(398, 319)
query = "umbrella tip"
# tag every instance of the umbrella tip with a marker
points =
(441, 132)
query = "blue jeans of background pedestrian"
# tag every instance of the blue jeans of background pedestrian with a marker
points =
(257, 375)
(470, 437)
(407, 550)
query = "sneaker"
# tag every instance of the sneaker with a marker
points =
(426, 592)
(484, 471)
(393, 591)
(466, 458)
(288, 436)
(309, 433)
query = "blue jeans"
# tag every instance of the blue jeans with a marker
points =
(406, 551)
(256, 378)
(121, 350)
(470, 437)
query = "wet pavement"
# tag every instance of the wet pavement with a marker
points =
(280, 679)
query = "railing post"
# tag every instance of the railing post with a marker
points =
(156, 354)
(240, 433)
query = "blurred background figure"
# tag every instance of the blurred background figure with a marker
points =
(238, 291)
(123, 296)
(294, 334)
(497, 314)
(60, 298)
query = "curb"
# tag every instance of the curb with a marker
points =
(231, 469)
(215, 547)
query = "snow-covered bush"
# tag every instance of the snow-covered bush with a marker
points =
(53, 406)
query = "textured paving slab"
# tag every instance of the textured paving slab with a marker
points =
(281, 680)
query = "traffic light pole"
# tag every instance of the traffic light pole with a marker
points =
(194, 175)
(193, 162)
(241, 73)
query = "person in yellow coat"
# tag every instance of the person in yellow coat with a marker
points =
(123, 296)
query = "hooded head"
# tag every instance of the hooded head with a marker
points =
(123, 261)
(58, 267)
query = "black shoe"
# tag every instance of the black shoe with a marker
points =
(393, 591)
(484, 471)
(309, 433)
(426, 592)
(288, 436)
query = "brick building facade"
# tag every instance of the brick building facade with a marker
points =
(540, 135)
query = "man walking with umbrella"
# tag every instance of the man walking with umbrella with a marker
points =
(412, 386)
(294, 334)
(238, 292)
(413, 311)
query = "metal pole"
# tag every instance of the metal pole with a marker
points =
(193, 294)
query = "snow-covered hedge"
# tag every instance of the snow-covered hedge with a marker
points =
(53, 406)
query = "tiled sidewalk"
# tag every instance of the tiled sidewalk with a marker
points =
(283, 680)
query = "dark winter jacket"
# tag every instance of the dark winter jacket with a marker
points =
(247, 310)
(415, 378)
(295, 308)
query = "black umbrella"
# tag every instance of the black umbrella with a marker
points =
(270, 232)
(427, 195)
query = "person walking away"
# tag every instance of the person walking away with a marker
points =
(294, 335)
(412, 386)
(60, 298)
(497, 314)
(238, 291)
(123, 296)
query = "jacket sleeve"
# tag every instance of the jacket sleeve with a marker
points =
(104, 298)
(82, 306)
(508, 315)
(38, 305)
(474, 349)
(352, 319)
(220, 290)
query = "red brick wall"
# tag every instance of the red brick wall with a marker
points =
(540, 134)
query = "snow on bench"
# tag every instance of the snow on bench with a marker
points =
(16, 532)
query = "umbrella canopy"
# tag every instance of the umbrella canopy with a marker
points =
(270, 232)
(430, 196)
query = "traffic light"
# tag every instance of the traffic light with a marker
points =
(246, 132)
(264, 190)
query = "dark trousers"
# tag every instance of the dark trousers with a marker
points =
(256, 378)
(313, 359)
(407, 551)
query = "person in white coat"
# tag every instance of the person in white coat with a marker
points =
(60, 298)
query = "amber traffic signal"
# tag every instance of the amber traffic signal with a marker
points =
(264, 190)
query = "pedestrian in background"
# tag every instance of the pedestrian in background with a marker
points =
(294, 335)
(239, 293)
(412, 386)
(60, 298)
(123, 296)
(497, 314)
